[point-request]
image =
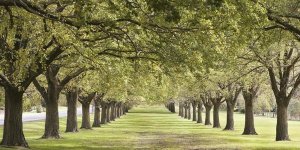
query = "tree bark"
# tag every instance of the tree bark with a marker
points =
(194, 111)
(118, 110)
(230, 119)
(13, 127)
(185, 112)
(216, 120)
(112, 112)
(108, 113)
(189, 112)
(72, 97)
(103, 113)
(86, 123)
(180, 111)
(85, 102)
(52, 118)
(249, 128)
(207, 115)
(97, 113)
(199, 119)
(282, 123)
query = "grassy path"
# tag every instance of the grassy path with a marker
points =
(155, 128)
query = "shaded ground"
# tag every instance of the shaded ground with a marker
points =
(155, 128)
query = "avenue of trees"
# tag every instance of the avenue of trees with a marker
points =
(199, 54)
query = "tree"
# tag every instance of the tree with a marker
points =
(72, 98)
(23, 58)
(51, 96)
(208, 105)
(249, 94)
(217, 100)
(85, 103)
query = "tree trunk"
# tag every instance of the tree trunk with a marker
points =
(229, 120)
(207, 115)
(179, 111)
(97, 115)
(52, 118)
(282, 123)
(199, 119)
(189, 112)
(194, 112)
(85, 124)
(117, 111)
(13, 127)
(216, 120)
(249, 128)
(112, 116)
(185, 112)
(103, 114)
(108, 113)
(72, 97)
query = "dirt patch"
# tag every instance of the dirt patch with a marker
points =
(155, 140)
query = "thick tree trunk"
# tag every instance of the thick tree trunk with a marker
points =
(282, 123)
(103, 114)
(86, 123)
(97, 115)
(207, 115)
(179, 111)
(13, 127)
(185, 112)
(216, 120)
(117, 111)
(230, 119)
(189, 112)
(72, 97)
(194, 112)
(108, 113)
(112, 116)
(199, 119)
(249, 128)
(52, 118)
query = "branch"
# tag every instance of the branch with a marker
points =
(53, 55)
(40, 88)
(273, 81)
(71, 76)
(4, 81)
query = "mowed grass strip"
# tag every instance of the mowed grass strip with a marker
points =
(153, 127)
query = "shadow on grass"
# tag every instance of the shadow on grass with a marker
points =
(150, 112)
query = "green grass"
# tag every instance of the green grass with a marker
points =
(152, 127)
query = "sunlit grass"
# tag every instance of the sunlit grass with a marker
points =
(153, 127)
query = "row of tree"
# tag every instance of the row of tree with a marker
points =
(149, 50)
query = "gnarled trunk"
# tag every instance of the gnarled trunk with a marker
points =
(249, 128)
(216, 120)
(207, 115)
(229, 119)
(72, 97)
(282, 123)
(13, 127)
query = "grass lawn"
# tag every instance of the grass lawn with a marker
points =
(153, 127)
